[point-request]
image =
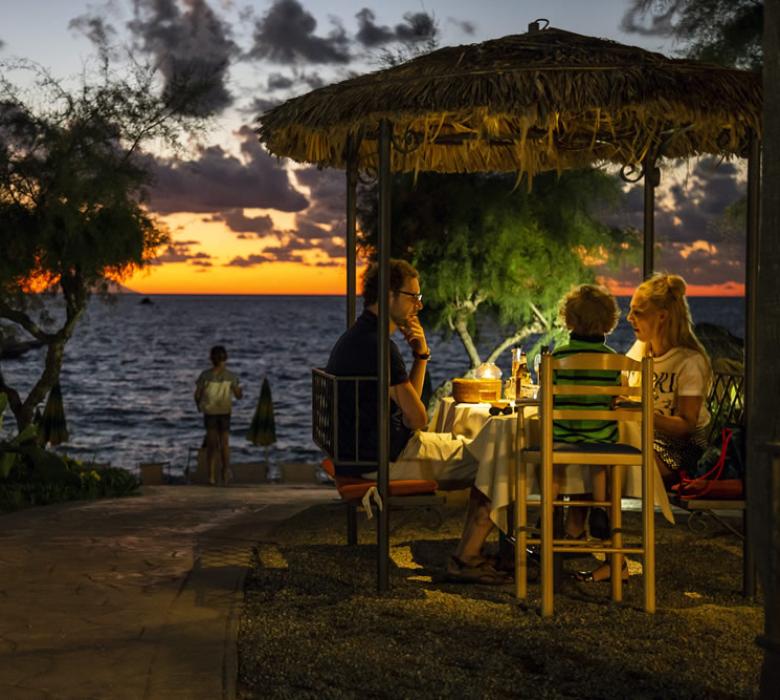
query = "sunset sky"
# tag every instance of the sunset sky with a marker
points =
(243, 222)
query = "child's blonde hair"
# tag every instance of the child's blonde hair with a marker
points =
(667, 292)
(589, 309)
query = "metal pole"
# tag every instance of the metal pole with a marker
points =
(351, 236)
(652, 178)
(383, 355)
(770, 640)
(751, 274)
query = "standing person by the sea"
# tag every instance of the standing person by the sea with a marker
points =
(214, 390)
(661, 320)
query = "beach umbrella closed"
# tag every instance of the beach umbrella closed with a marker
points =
(262, 431)
(53, 428)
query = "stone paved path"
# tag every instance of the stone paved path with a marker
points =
(132, 598)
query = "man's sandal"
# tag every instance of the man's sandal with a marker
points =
(483, 572)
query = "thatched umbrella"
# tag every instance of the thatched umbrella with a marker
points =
(545, 100)
(262, 430)
(53, 427)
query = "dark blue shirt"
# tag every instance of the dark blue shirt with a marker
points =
(355, 355)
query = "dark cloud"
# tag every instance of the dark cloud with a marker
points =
(369, 33)
(249, 261)
(2, 44)
(217, 181)
(236, 221)
(179, 251)
(464, 25)
(193, 49)
(692, 213)
(417, 26)
(286, 34)
(325, 216)
(202, 263)
(260, 105)
(277, 81)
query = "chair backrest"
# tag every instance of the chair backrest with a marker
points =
(726, 402)
(597, 373)
(343, 412)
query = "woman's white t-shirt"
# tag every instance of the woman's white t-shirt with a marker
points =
(678, 372)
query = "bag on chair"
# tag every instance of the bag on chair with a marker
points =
(719, 471)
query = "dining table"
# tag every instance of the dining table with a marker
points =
(495, 440)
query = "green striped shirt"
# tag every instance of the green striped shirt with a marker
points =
(584, 430)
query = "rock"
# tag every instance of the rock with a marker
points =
(719, 342)
(13, 349)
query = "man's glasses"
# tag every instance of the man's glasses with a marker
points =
(417, 296)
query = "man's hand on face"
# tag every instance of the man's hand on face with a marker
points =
(415, 335)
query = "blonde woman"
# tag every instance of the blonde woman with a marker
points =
(661, 320)
(662, 324)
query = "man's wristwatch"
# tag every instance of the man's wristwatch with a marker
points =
(421, 356)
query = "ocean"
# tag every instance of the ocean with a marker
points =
(129, 371)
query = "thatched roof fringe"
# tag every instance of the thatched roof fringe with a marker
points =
(540, 101)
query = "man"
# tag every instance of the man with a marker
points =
(414, 453)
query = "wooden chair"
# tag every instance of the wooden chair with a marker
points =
(548, 454)
(336, 430)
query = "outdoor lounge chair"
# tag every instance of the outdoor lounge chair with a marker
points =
(726, 404)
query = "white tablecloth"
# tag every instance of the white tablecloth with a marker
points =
(492, 444)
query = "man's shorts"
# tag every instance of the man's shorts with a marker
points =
(219, 422)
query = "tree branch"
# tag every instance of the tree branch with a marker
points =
(468, 342)
(539, 315)
(22, 319)
(515, 338)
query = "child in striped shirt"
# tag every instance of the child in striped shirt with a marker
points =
(590, 313)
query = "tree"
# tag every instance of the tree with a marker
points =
(484, 246)
(728, 32)
(72, 218)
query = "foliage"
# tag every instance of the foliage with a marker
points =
(31, 475)
(72, 188)
(482, 245)
(728, 32)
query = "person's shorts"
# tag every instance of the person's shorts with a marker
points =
(219, 422)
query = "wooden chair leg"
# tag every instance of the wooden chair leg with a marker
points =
(616, 523)
(351, 524)
(521, 534)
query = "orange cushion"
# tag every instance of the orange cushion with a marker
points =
(703, 489)
(405, 487)
(353, 488)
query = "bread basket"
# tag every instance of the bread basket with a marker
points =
(476, 390)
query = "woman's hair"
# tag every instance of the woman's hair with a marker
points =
(218, 354)
(400, 271)
(589, 309)
(667, 292)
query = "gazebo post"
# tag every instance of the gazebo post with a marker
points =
(751, 265)
(652, 177)
(383, 358)
(351, 236)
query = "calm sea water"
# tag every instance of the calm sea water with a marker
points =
(129, 371)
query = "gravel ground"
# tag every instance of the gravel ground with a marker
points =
(312, 626)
